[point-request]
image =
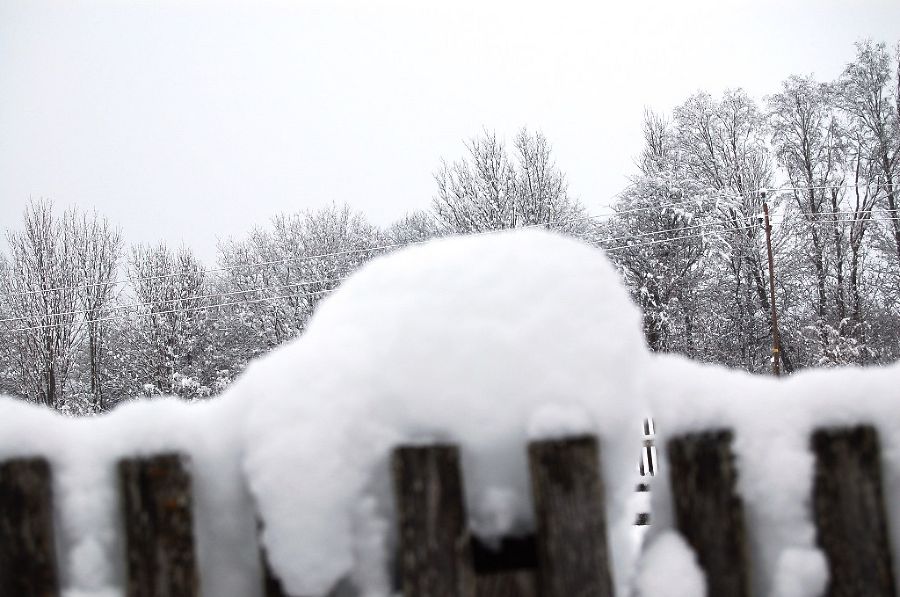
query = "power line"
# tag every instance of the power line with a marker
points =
(259, 264)
(265, 299)
(216, 295)
(219, 295)
(680, 238)
(129, 306)
(679, 231)
(188, 310)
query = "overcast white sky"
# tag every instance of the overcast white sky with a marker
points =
(194, 121)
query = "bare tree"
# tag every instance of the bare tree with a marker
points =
(868, 94)
(721, 146)
(278, 275)
(166, 328)
(810, 148)
(98, 247)
(492, 189)
(39, 288)
(415, 227)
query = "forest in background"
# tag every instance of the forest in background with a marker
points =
(87, 321)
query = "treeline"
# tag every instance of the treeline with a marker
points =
(825, 156)
(86, 321)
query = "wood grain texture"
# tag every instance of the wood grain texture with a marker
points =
(573, 557)
(27, 549)
(432, 530)
(848, 510)
(708, 512)
(515, 583)
(156, 498)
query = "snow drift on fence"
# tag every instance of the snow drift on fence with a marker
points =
(773, 420)
(481, 340)
(83, 455)
(484, 341)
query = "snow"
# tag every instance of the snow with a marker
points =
(773, 420)
(486, 341)
(83, 453)
(800, 573)
(669, 568)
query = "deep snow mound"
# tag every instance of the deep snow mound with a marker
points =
(485, 341)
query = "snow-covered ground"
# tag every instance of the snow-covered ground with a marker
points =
(485, 341)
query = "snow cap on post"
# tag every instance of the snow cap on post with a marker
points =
(472, 340)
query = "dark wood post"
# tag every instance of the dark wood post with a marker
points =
(434, 543)
(573, 558)
(27, 550)
(708, 512)
(156, 497)
(848, 508)
(521, 583)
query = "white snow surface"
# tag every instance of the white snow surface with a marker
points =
(800, 573)
(83, 455)
(486, 341)
(773, 420)
(669, 568)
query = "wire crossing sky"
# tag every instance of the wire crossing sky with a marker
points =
(193, 121)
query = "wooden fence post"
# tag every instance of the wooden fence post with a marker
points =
(156, 496)
(573, 558)
(848, 508)
(434, 544)
(708, 512)
(27, 549)
(521, 583)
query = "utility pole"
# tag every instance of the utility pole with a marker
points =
(776, 336)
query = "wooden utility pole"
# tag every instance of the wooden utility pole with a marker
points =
(776, 336)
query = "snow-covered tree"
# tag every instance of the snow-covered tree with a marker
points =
(494, 189)
(276, 277)
(39, 289)
(163, 325)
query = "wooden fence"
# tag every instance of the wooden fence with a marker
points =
(567, 556)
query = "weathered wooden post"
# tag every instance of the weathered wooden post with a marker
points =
(708, 512)
(156, 497)
(573, 558)
(434, 543)
(848, 509)
(27, 550)
(521, 583)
